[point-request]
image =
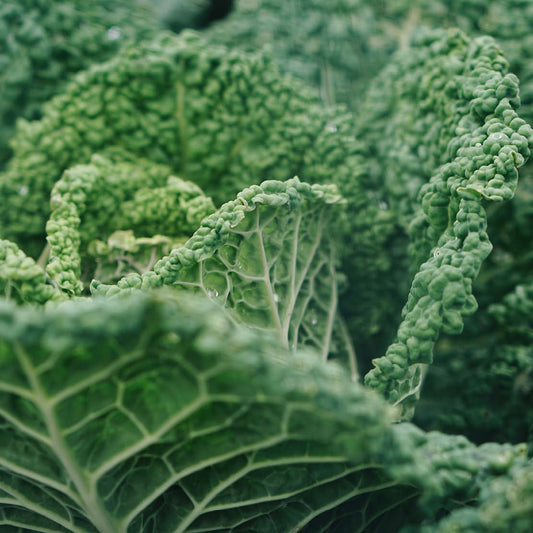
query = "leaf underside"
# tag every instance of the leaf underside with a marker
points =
(146, 426)
(269, 259)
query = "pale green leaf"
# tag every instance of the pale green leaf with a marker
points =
(269, 259)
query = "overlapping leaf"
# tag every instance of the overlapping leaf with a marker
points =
(153, 414)
(268, 258)
(458, 94)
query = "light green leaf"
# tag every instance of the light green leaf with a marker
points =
(128, 206)
(444, 161)
(269, 259)
(22, 279)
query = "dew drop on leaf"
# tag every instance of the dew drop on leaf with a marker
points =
(114, 33)
(212, 293)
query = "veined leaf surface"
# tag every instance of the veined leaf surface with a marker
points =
(151, 413)
(268, 258)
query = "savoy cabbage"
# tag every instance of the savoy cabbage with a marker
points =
(220, 298)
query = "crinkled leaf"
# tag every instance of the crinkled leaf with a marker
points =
(459, 93)
(223, 120)
(43, 43)
(21, 278)
(96, 209)
(268, 258)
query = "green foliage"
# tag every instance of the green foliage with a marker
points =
(339, 47)
(505, 504)
(497, 349)
(222, 120)
(44, 42)
(489, 408)
(185, 124)
(269, 259)
(508, 22)
(114, 200)
(96, 209)
(335, 46)
(135, 407)
(472, 120)
(457, 471)
(208, 114)
(21, 278)
(153, 413)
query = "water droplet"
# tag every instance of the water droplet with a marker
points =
(478, 144)
(314, 321)
(24, 190)
(114, 33)
(436, 253)
(276, 298)
(331, 127)
(212, 293)
(383, 205)
(496, 136)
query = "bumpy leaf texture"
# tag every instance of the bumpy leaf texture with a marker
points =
(505, 504)
(223, 120)
(455, 95)
(496, 348)
(153, 413)
(150, 210)
(490, 407)
(215, 117)
(269, 259)
(335, 46)
(21, 278)
(43, 43)
(340, 45)
(107, 220)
